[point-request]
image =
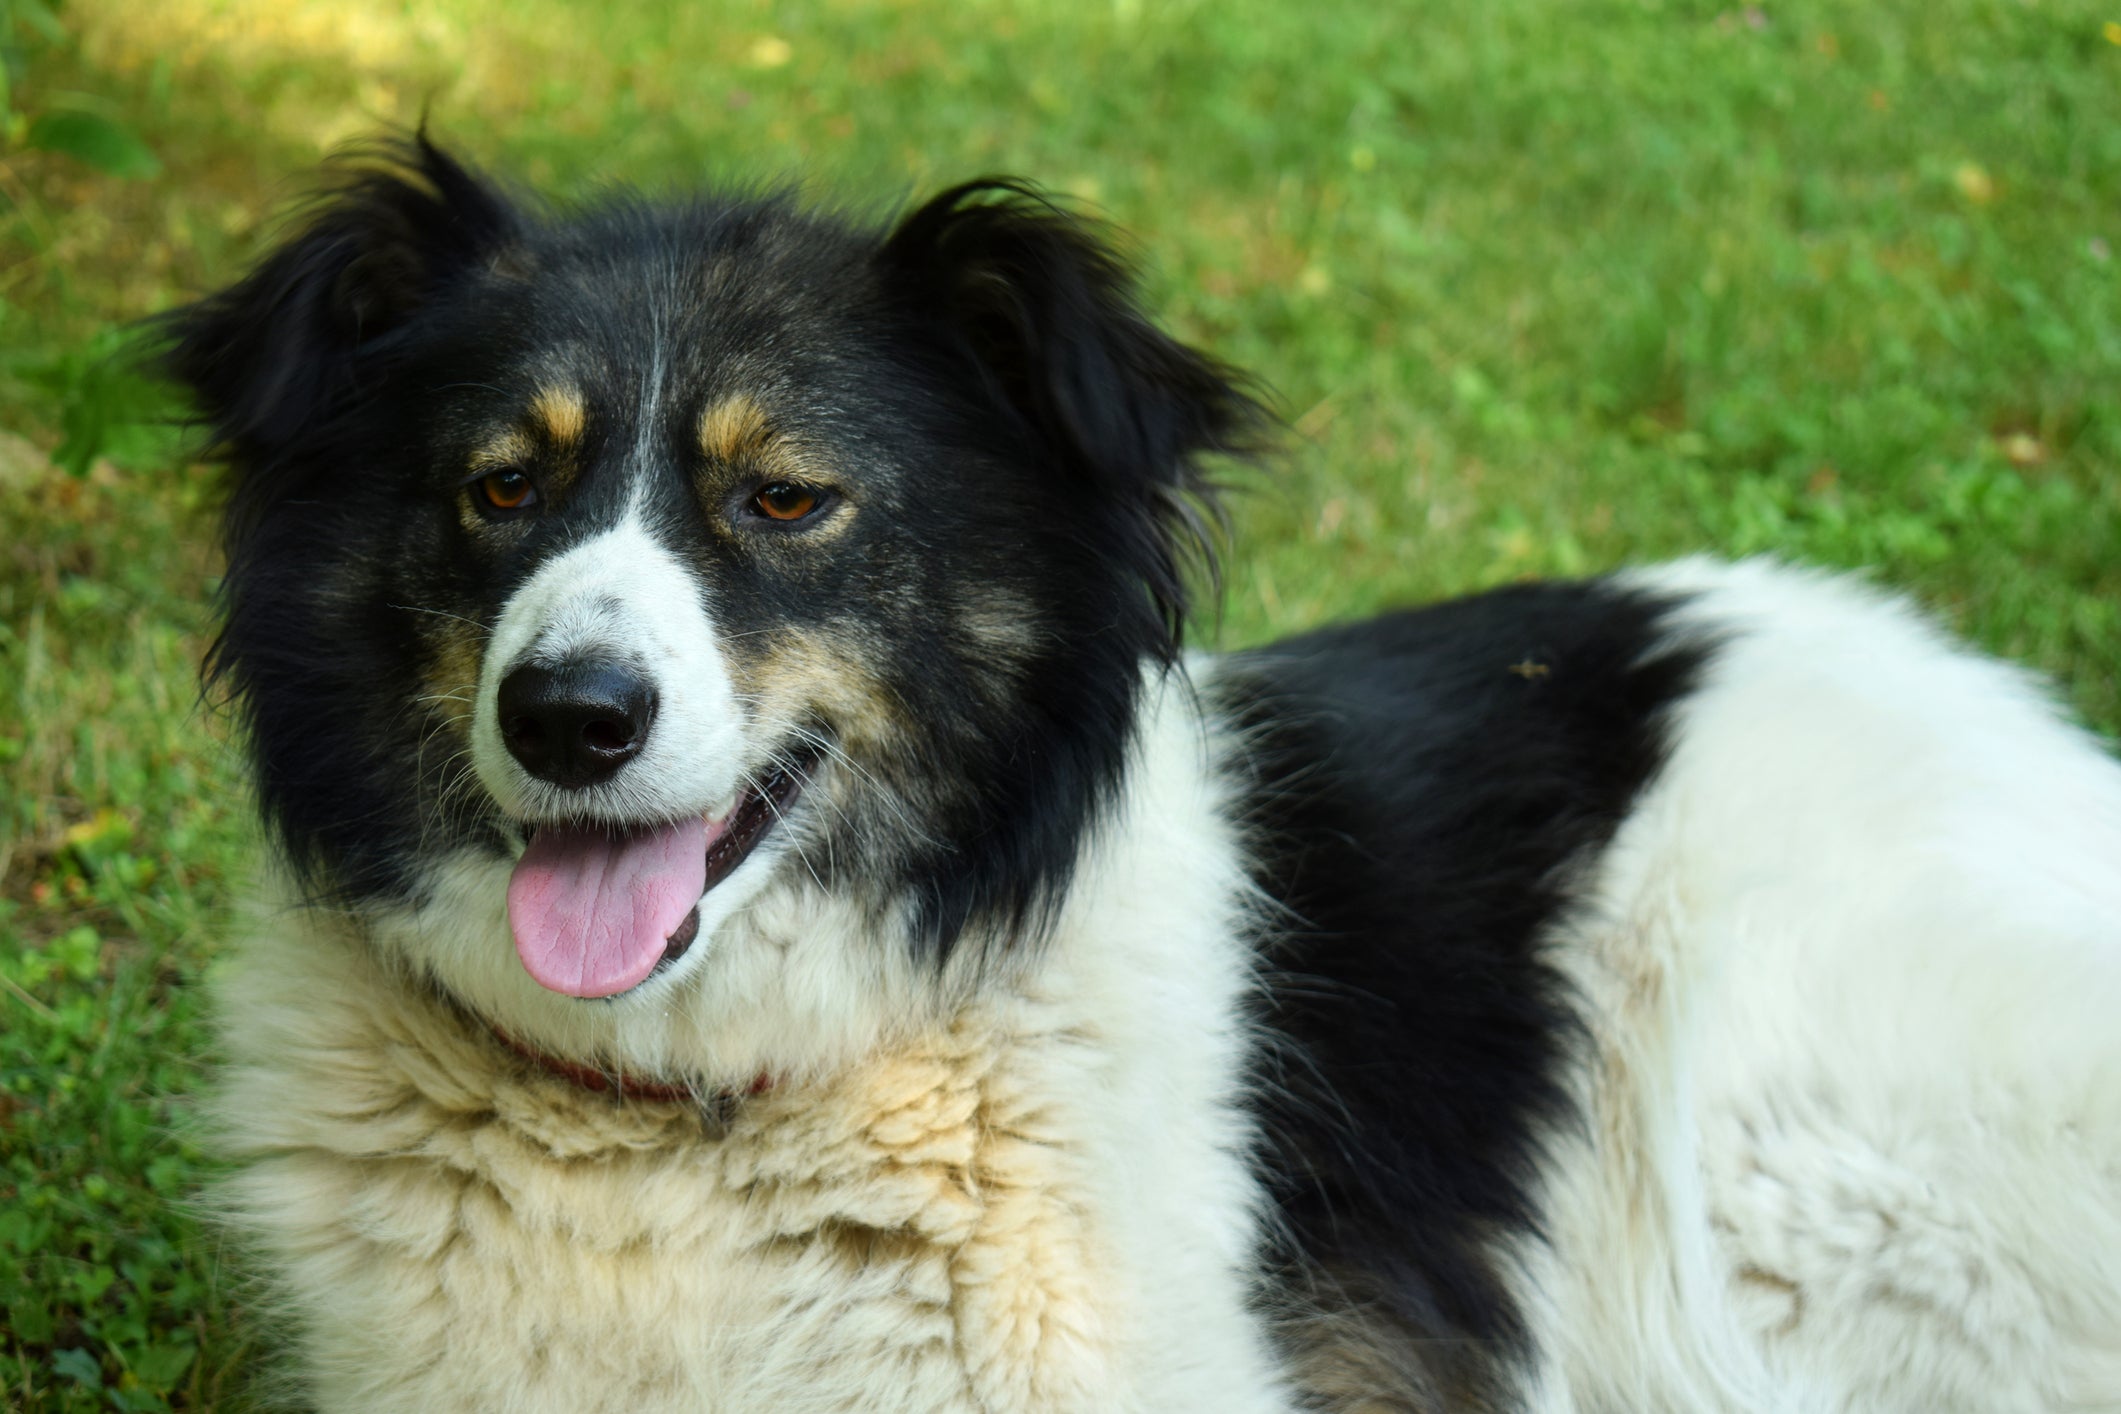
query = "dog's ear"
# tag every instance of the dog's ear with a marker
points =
(279, 352)
(1036, 300)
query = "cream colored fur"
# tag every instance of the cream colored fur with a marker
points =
(1024, 1194)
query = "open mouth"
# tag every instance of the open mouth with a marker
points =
(597, 909)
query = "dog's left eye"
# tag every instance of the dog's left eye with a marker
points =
(785, 501)
(508, 489)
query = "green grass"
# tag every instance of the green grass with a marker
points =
(1543, 285)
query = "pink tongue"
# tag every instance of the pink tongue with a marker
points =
(591, 914)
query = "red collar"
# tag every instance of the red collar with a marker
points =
(619, 1085)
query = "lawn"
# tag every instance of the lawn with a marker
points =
(1542, 286)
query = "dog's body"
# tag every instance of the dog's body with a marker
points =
(1688, 991)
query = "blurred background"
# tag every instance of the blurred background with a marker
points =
(1541, 286)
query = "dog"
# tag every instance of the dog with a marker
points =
(768, 915)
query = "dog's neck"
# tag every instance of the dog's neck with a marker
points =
(621, 1085)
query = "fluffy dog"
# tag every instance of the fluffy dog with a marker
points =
(769, 918)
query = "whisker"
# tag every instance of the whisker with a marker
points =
(442, 614)
(881, 794)
(751, 784)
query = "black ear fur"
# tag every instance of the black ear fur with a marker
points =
(1036, 300)
(277, 353)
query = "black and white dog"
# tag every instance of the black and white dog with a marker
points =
(771, 921)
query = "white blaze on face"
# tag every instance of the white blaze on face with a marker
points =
(620, 596)
(612, 870)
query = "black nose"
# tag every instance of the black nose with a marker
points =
(575, 724)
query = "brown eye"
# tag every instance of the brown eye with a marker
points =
(508, 489)
(784, 500)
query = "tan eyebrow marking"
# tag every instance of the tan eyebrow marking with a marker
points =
(562, 414)
(508, 449)
(734, 426)
(742, 447)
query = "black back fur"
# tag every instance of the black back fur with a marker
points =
(1423, 786)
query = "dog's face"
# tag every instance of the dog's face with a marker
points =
(660, 556)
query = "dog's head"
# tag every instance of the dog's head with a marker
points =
(655, 556)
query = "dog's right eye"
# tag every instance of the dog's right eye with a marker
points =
(508, 489)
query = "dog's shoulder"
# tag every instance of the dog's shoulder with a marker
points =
(1421, 795)
(1720, 892)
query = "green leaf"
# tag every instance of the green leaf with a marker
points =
(96, 140)
(40, 18)
(90, 1283)
(105, 403)
(80, 1367)
(30, 1320)
(159, 1367)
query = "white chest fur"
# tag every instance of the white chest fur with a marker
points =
(1039, 1204)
